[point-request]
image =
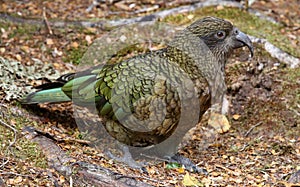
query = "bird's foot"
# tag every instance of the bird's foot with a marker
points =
(127, 159)
(187, 163)
(219, 122)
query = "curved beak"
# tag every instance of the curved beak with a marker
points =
(243, 40)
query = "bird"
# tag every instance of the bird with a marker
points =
(148, 102)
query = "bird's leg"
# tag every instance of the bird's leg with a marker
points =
(126, 158)
(219, 103)
(225, 105)
(187, 163)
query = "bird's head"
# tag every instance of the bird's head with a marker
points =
(220, 36)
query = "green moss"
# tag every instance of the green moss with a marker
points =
(248, 23)
(22, 149)
(291, 82)
(30, 152)
(74, 55)
(24, 30)
(292, 75)
(179, 19)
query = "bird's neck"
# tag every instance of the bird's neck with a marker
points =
(222, 56)
(183, 60)
(196, 66)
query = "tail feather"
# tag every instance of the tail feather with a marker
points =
(55, 95)
(66, 88)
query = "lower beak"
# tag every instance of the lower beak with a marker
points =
(243, 40)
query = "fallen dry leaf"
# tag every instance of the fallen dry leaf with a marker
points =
(236, 116)
(219, 122)
(49, 41)
(190, 180)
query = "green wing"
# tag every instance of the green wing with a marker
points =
(121, 86)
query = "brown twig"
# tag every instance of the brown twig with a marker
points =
(251, 129)
(60, 140)
(46, 21)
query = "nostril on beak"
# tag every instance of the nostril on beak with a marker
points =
(236, 31)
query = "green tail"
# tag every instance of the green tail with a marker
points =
(55, 95)
(81, 90)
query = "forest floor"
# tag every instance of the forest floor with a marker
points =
(262, 147)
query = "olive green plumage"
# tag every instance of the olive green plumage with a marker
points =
(141, 98)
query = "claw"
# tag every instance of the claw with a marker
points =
(127, 159)
(187, 163)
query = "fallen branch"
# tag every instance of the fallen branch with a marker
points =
(86, 173)
(277, 53)
(104, 24)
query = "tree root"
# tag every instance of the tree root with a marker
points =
(277, 53)
(106, 24)
(86, 173)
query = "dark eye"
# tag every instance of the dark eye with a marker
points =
(220, 35)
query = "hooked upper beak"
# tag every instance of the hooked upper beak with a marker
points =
(243, 40)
